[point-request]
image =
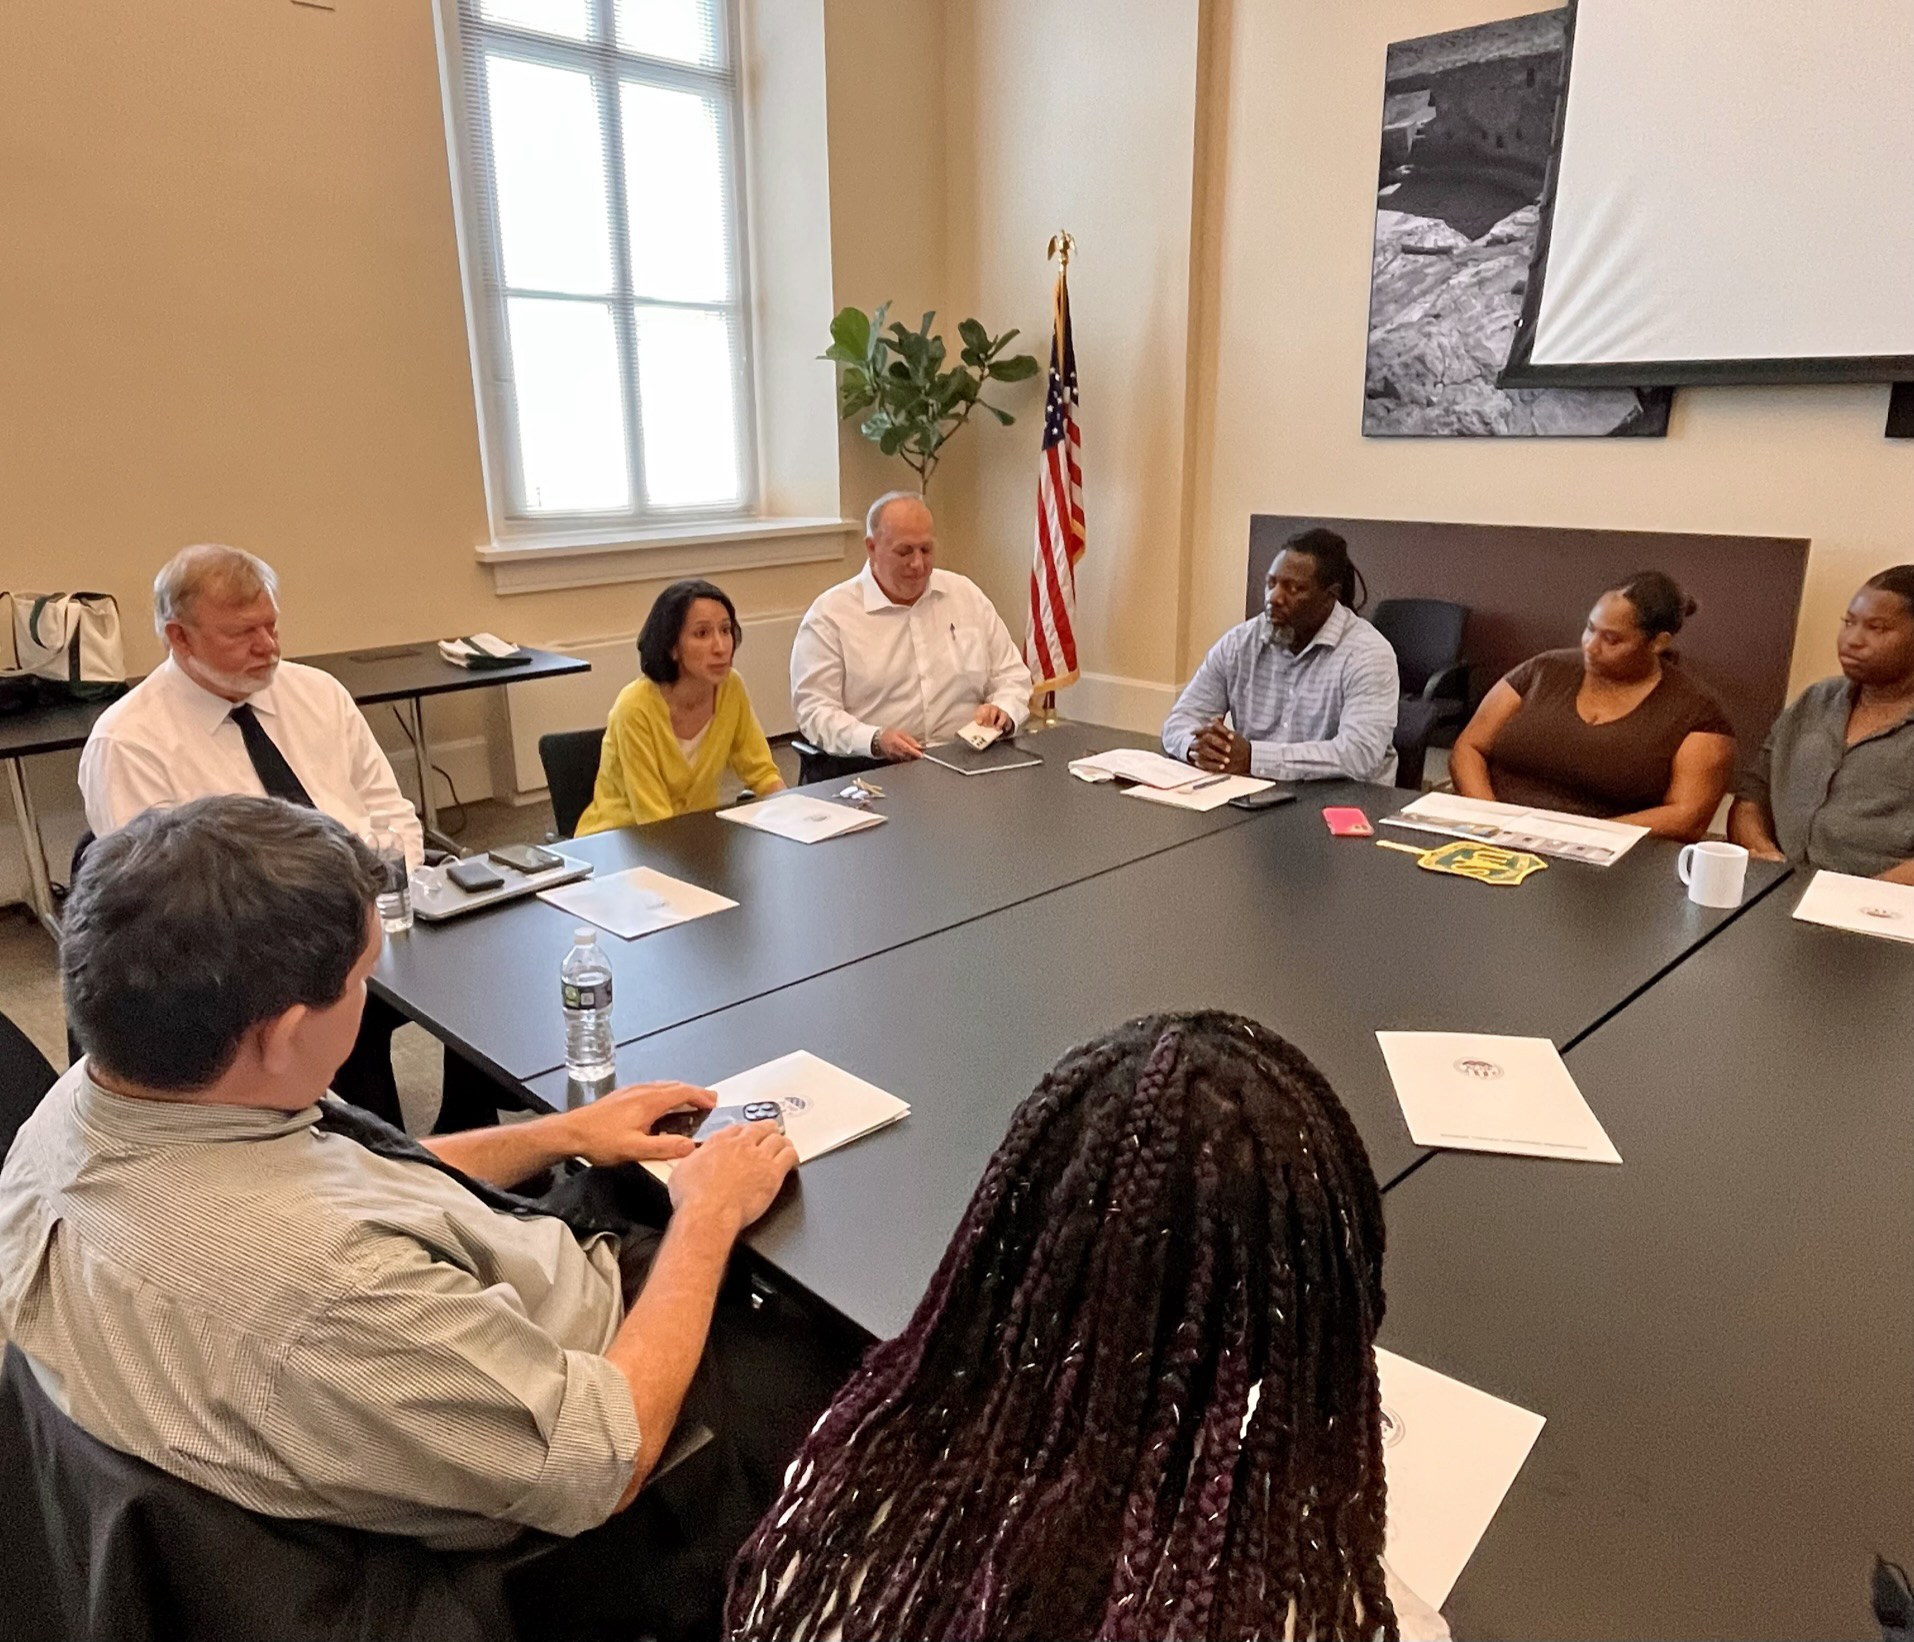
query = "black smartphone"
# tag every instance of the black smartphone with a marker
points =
(703, 1125)
(473, 876)
(526, 858)
(1267, 799)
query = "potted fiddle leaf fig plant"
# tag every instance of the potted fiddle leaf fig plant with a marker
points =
(898, 380)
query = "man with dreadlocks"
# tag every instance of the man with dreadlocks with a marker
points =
(1311, 689)
(1139, 1399)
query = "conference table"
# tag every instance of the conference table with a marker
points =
(1325, 940)
(1719, 1332)
(952, 848)
(398, 673)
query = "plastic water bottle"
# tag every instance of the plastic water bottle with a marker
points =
(585, 983)
(395, 875)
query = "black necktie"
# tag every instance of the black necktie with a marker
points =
(269, 763)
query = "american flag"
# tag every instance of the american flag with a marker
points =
(1050, 639)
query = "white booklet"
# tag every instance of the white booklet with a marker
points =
(635, 903)
(806, 820)
(1865, 905)
(1135, 764)
(1451, 1453)
(1207, 793)
(1477, 1092)
(824, 1106)
(1516, 827)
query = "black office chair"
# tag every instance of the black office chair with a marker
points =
(25, 1077)
(817, 765)
(571, 759)
(97, 1543)
(1426, 635)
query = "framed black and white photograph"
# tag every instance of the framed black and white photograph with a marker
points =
(1468, 119)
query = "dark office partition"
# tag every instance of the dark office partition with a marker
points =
(1529, 588)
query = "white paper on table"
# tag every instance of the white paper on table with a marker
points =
(1200, 797)
(1864, 905)
(824, 1106)
(1135, 764)
(635, 903)
(805, 820)
(1514, 826)
(1451, 1453)
(1476, 1092)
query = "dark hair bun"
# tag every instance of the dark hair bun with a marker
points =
(1660, 604)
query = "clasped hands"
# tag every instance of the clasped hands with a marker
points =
(898, 746)
(1219, 750)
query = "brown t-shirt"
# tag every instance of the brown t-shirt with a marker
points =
(1547, 757)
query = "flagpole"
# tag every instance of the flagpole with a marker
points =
(1062, 244)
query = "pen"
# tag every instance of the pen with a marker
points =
(1207, 781)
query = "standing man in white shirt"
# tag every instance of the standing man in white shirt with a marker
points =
(903, 654)
(223, 714)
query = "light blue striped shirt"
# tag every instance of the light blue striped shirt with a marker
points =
(1327, 712)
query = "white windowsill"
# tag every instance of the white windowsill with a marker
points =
(599, 559)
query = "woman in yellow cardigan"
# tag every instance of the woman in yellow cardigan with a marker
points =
(674, 732)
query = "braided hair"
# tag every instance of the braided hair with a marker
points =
(1139, 1398)
(1330, 550)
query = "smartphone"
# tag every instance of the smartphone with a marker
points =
(1267, 799)
(1348, 823)
(525, 858)
(473, 876)
(703, 1125)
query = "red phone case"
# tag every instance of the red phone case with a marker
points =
(1345, 822)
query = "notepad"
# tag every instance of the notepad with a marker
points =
(804, 820)
(1451, 1453)
(987, 760)
(1513, 826)
(1205, 793)
(637, 902)
(1134, 764)
(1866, 906)
(1477, 1092)
(824, 1106)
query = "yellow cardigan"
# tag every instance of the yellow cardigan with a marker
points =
(642, 773)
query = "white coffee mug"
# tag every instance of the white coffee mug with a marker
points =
(1714, 873)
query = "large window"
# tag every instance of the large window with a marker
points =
(607, 259)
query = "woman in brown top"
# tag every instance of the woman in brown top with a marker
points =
(1616, 731)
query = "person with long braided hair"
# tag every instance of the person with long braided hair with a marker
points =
(1139, 1398)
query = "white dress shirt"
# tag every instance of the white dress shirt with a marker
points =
(168, 741)
(861, 664)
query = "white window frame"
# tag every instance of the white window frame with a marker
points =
(465, 38)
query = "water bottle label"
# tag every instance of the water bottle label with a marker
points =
(588, 997)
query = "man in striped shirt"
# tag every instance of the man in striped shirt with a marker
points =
(1310, 688)
(212, 1264)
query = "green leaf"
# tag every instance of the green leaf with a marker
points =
(900, 371)
(851, 333)
(851, 400)
(892, 441)
(930, 319)
(1017, 368)
(974, 335)
(1002, 416)
(1003, 341)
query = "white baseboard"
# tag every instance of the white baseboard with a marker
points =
(467, 760)
(1134, 704)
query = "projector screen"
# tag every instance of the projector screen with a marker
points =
(1731, 197)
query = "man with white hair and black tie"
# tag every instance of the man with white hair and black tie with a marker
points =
(223, 714)
(903, 654)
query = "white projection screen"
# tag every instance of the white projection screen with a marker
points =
(1731, 197)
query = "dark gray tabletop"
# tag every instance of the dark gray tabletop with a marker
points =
(1719, 1332)
(393, 673)
(954, 848)
(1325, 940)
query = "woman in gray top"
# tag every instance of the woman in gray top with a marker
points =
(1834, 785)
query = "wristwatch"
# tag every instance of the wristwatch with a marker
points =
(877, 735)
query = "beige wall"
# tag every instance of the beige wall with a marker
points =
(1282, 365)
(232, 307)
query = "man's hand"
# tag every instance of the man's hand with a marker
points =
(616, 1128)
(736, 1173)
(1219, 750)
(898, 747)
(993, 717)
